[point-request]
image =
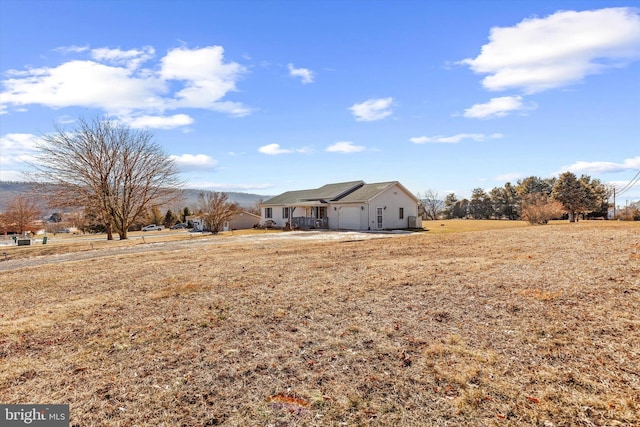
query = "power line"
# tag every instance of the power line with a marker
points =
(630, 184)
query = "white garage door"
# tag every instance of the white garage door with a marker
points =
(349, 218)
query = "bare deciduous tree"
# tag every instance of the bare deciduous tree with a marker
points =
(108, 168)
(538, 208)
(432, 204)
(255, 208)
(20, 216)
(216, 209)
(154, 216)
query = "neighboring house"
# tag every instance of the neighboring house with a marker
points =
(240, 221)
(345, 206)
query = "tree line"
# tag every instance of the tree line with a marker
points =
(114, 177)
(23, 214)
(533, 199)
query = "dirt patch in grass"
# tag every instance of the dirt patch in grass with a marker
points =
(523, 326)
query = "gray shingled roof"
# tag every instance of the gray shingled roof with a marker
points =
(343, 192)
(367, 192)
(335, 191)
(326, 192)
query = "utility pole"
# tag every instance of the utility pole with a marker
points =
(614, 202)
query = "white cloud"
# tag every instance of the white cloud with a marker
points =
(235, 109)
(114, 81)
(345, 147)
(13, 142)
(18, 149)
(305, 74)
(455, 139)
(629, 193)
(207, 78)
(10, 175)
(509, 177)
(498, 107)
(207, 185)
(65, 119)
(71, 49)
(189, 162)
(159, 122)
(87, 84)
(273, 149)
(581, 167)
(539, 54)
(132, 58)
(372, 109)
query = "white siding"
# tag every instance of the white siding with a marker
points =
(276, 215)
(243, 221)
(360, 215)
(393, 199)
(349, 218)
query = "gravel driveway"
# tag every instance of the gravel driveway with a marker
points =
(12, 264)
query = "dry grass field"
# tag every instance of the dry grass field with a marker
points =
(506, 327)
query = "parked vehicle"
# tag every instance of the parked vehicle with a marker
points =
(152, 227)
(179, 226)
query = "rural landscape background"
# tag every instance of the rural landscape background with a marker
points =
(514, 123)
(468, 323)
(10, 189)
(265, 97)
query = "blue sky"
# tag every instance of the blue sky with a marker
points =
(269, 96)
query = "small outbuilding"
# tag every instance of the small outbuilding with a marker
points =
(241, 221)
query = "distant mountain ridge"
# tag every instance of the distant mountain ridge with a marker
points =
(10, 189)
(245, 200)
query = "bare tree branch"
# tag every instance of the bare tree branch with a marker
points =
(432, 204)
(109, 168)
(216, 209)
(20, 215)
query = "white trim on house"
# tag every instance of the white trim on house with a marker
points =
(348, 206)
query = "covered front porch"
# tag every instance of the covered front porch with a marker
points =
(309, 216)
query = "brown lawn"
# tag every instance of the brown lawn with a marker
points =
(509, 326)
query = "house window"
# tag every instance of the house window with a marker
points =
(268, 213)
(319, 212)
(401, 213)
(285, 213)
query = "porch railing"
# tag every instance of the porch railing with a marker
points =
(307, 223)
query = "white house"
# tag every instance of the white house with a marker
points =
(345, 206)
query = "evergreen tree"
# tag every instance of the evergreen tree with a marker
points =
(572, 193)
(534, 184)
(170, 219)
(480, 205)
(449, 205)
(461, 209)
(185, 213)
